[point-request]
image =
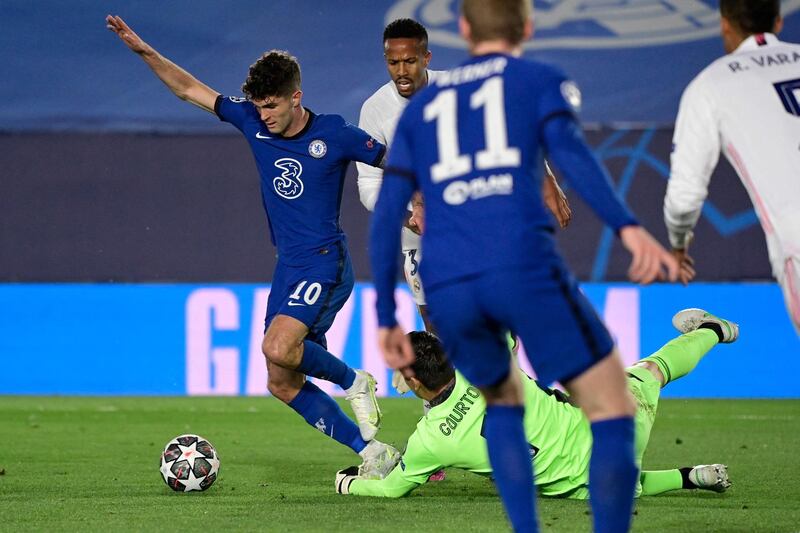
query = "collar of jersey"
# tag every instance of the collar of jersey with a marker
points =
(444, 395)
(302, 132)
(484, 57)
(751, 44)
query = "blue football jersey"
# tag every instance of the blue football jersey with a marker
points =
(302, 176)
(473, 141)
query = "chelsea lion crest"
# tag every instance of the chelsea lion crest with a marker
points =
(317, 148)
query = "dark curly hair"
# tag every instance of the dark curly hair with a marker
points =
(751, 16)
(407, 29)
(276, 73)
(432, 368)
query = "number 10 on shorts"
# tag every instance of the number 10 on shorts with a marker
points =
(309, 292)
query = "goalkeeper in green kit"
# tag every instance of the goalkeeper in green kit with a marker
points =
(450, 434)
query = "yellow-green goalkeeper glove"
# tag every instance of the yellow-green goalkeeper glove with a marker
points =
(399, 383)
(344, 478)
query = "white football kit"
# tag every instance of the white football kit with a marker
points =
(746, 104)
(379, 116)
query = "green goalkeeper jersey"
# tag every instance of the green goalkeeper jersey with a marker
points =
(451, 435)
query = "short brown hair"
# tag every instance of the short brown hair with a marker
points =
(497, 19)
(276, 73)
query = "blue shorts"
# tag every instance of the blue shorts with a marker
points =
(312, 294)
(562, 334)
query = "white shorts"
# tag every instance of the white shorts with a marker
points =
(411, 260)
(789, 279)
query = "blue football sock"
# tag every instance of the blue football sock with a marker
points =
(322, 412)
(612, 474)
(509, 453)
(319, 363)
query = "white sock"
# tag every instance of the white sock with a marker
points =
(371, 444)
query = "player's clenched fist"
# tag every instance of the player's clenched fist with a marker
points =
(396, 349)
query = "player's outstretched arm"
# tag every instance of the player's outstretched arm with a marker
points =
(417, 465)
(181, 83)
(394, 485)
(650, 260)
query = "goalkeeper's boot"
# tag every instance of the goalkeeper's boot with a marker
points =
(379, 460)
(364, 403)
(710, 477)
(691, 319)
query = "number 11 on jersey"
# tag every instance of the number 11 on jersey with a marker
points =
(443, 109)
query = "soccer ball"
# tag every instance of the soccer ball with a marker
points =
(189, 462)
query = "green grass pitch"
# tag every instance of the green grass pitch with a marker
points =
(91, 464)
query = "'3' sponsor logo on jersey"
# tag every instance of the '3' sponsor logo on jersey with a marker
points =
(288, 184)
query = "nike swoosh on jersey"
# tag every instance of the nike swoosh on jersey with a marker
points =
(292, 304)
(259, 136)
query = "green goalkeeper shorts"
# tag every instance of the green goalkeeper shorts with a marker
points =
(646, 390)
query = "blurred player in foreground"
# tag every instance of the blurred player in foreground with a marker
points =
(302, 159)
(473, 143)
(746, 104)
(405, 49)
(559, 438)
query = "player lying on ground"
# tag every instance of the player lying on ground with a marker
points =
(451, 434)
(302, 158)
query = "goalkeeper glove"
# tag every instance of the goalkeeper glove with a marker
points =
(399, 383)
(344, 478)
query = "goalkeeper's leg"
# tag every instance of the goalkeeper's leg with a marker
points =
(702, 331)
(707, 477)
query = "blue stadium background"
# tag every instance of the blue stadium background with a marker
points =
(106, 178)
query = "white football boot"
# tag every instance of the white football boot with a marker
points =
(364, 403)
(379, 460)
(691, 319)
(710, 477)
